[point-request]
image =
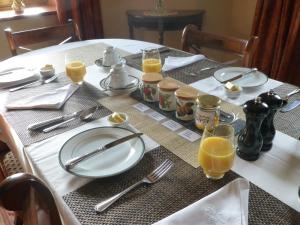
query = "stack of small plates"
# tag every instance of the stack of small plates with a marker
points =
(130, 87)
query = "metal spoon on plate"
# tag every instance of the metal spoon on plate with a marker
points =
(83, 116)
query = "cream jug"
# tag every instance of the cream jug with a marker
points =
(110, 56)
(118, 76)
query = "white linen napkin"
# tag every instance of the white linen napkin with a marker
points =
(229, 206)
(213, 87)
(176, 62)
(49, 100)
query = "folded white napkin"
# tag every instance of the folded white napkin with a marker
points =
(229, 206)
(176, 62)
(49, 100)
(213, 87)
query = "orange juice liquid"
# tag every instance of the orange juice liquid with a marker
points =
(76, 71)
(151, 65)
(216, 156)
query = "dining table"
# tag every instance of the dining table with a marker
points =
(274, 177)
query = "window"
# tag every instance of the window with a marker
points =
(7, 3)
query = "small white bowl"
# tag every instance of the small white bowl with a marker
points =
(113, 122)
(47, 72)
(233, 94)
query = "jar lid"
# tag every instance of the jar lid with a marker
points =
(168, 85)
(152, 77)
(208, 101)
(186, 92)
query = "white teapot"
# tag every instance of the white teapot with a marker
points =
(118, 76)
(110, 56)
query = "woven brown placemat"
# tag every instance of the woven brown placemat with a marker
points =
(180, 187)
(180, 74)
(288, 122)
(83, 98)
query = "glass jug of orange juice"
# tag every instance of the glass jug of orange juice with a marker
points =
(151, 62)
(217, 151)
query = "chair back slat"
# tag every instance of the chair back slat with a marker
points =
(24, 38)
(193, 38)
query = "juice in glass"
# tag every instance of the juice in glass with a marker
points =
(216, 151)
(151, 65)
(76, 70)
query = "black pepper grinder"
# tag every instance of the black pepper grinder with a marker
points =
(250, 139)
(267, 127)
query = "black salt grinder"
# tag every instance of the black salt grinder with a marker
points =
(250, 139)
(267, 127)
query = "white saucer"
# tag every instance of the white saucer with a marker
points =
(132, 86)
(18, 77)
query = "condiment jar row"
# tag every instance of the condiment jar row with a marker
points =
(185, 100)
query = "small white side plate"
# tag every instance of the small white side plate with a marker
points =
(114, 161)
(250, 80)
(18, 77)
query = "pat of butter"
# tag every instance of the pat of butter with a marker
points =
(232, 87)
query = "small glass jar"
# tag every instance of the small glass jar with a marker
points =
(185, 102)
(166, 94)
(207, 112)
(149, 89)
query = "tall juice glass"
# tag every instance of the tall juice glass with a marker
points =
(75, 68)
(217, 151)
(151, 62)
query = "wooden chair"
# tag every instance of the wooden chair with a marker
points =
(194, 40)
(60, 33)
(30, 196)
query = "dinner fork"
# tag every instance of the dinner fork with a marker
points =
(151, 178)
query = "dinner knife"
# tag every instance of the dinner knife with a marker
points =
(36, 126)
(73, 162)
(290, 106)
(239, 76)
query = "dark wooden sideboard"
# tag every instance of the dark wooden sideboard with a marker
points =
(173, 20)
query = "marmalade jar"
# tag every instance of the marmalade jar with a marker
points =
(185, 102)
(207, 112)
(166, 94)
(149, 89)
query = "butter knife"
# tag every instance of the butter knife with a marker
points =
(290, 106)
(239, 76)
(73, 162)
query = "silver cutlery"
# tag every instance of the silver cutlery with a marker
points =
(239, 76)
(12, 69)
(82, 115)
(151, 178)
(292, 105)
(38, 125)
(5, 73)
(70, 164)
(194, 74)
(40, 81)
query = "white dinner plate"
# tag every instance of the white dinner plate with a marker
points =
(250, 80)
(111, 162)
(18, 77)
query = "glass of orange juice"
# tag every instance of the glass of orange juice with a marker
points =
(151, 62)
(75, 68)
(217, 151)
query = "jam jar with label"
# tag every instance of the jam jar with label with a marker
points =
(148, 87)
(185, 102)
(166, 94)
(207, 111)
